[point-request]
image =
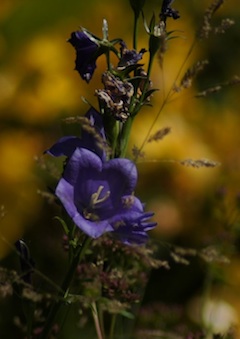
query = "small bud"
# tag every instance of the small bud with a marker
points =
(157, 36)
(137, 6)
(105, 29)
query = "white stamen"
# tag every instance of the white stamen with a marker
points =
(95, 198)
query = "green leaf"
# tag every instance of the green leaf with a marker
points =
(127, 314)
(63, 223)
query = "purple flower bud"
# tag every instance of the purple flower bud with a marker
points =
(86, 49)
(168, 11)
(137, 6)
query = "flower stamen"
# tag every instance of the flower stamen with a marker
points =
(90, 216)
(118, 224)
(128, 201)
(95, 198)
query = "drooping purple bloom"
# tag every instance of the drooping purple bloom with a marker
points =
(98, 197)
(87, 53)
(168, 11)
(129, 57)
(92, 141)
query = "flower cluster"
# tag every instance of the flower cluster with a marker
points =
(97, 187)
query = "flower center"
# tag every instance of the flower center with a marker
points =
(96, 199)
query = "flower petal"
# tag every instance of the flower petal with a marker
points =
(131, 223)
(89, 140)
(126, 172)
(65, 192)
(129, 57)
(64, 146)
(80, 163)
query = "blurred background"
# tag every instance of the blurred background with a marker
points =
(39, 87)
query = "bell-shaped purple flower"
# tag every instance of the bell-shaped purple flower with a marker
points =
(87, 53)
(92, 138)
(98, 196)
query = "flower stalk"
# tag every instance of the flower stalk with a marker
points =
(124, 136)
(95, 315)
(79, 254)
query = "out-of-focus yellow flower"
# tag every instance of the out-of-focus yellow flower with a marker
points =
(18, 186)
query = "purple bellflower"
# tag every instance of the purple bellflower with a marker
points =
(87, 51)
(98, 196)
(92, 141)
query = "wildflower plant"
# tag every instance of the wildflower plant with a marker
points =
(105, 225)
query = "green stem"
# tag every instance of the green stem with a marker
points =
(115, 132)
(112, 328)
(101, 320)
(96, 321)
(29, 308)
(112, 131)
(145, 87)
(135, 31)
(124, 137)
(125, 134)
(184, 62)
(80, 251)
(206, 294)
(109, 67)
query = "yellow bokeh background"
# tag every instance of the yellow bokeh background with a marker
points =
(39, 87)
